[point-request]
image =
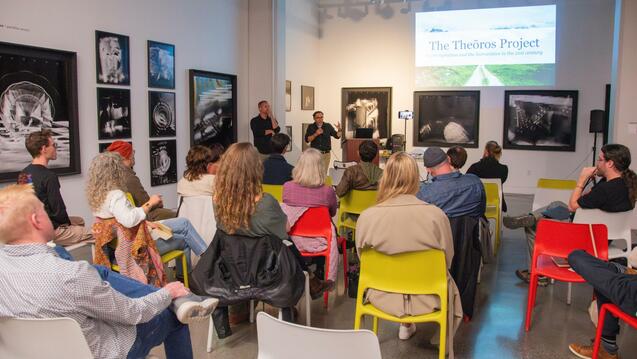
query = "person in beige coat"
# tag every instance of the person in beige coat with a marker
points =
(400, 223)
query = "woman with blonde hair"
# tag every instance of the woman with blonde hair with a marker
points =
(106, 193)
(307, 190)
(422, 226)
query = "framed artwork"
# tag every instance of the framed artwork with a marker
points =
(288, 96)
(113, 113)
(161, 114)
(366, 107)
(288, 131)
(304, 145)
(163, 162)
(213, 108)
(38, 90)
(446, 118)
(112, 58)
(161, 65)
(541, 120)
(307, 98)
(102, 146)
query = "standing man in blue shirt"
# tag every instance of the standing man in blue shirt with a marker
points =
(456, 194)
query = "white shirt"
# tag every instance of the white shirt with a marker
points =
(117, 205)
(204, 186)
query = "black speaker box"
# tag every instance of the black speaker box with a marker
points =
(597, 121)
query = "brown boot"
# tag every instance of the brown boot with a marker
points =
(318, 287)
(586, 352)
(630, 271)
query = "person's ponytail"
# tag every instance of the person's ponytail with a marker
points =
(630, 179)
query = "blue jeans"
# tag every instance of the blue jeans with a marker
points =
(185, 238)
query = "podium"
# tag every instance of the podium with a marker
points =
(350, 149)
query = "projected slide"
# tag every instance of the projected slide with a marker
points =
(513, 46)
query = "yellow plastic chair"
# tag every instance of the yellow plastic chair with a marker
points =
(355, 202)
(493, 210)
(423, 272)
(556, 183)
(275, 190)
(328, 181)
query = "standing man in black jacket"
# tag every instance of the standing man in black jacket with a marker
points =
(263, 127)
(318, 135)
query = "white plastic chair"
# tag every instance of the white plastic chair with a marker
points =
(618, 224)
(199, 211)
(282, 340)
(550, 190)
(51, 338)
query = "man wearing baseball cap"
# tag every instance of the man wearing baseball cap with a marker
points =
(456, 194)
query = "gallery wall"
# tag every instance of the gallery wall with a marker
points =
(377, 51)
(208, 35)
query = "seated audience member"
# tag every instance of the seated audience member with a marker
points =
(104, 190)
(276, 170)
(363, 176)
(616, 192)
(490, 167)
(612, 283)
(42, 147)
(422, 226)
(457, 157)
(134, 185)
(456, 194)
(250, 212)
(119, 317)
(307, 189)
(201, 167)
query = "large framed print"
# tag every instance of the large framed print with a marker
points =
(213, 108)
(113, 113)
(366, 107)
(163, 162)
(161, 114)
(38, 90)
(541, 120)
(446, 118)
(112, 58)
(161, 65)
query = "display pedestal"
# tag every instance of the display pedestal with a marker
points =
(350, 149)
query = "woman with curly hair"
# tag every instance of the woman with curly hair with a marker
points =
(106, 193)
(201, 167)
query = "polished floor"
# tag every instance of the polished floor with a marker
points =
(496, 331)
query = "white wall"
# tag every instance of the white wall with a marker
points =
(208, 35)
(375, 51)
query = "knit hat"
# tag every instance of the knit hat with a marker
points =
(433, 157)
(125, 149)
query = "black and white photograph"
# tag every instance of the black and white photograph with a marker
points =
(112, 58)
(542, 120)
(288, 96)
(213, 108)
(307, 98)
(102, 146)
(163, 162)
(161, 113)
(161, 65)
(38, 91)
(304, 145)
(366, 107)
(446, 118)
(113, 113)
(288, 131)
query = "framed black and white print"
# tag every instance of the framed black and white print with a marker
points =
(288, 131)
(161, 65)
(288, 96)
(113, 113)
(366, 107)
(542, 120)
(112, 58)
(213, 108)
(163, 162)
(161, 114)
(38, 91)
(307, 98)
(446, 118)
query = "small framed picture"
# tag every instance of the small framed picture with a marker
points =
(161, 114)
(112, 58)
(307, 98)
(163, 162)
(288, 130)
(161, 65)
(288, 96)
(113, 113)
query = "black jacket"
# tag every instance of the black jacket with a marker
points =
(466, 259)
(237, 268)
(276, 170)
(489, 167)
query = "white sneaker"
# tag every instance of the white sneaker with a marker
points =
(191, 311)
(405, 332)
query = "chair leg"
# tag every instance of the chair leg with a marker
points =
(211, 333)
(251, 310)
(568, 293)
(308, 309)
(345, 269)
(357, 320)
(184, 267)
(375, 325)
(326, 295)
(531, 301)
(442, 348)
(598, 333)
(280, 314)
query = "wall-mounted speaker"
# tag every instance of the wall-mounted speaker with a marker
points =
(597, 121)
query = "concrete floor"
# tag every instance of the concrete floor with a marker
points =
(496, 331)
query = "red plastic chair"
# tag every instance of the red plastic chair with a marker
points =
(616, 312)
(316, 222)
(559, 239)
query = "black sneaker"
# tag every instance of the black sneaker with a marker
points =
(519, 221)
(525, 276)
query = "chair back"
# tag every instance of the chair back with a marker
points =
(618, 223)
(561, 238)
(282, 340)
(550, 190)
(130, 199)
(51, 338)
(496, 181)
(200, 212)
(275, 190)
(328, 180)
(356, 201)
(421, 272)
(493, 193)
(315, 222)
